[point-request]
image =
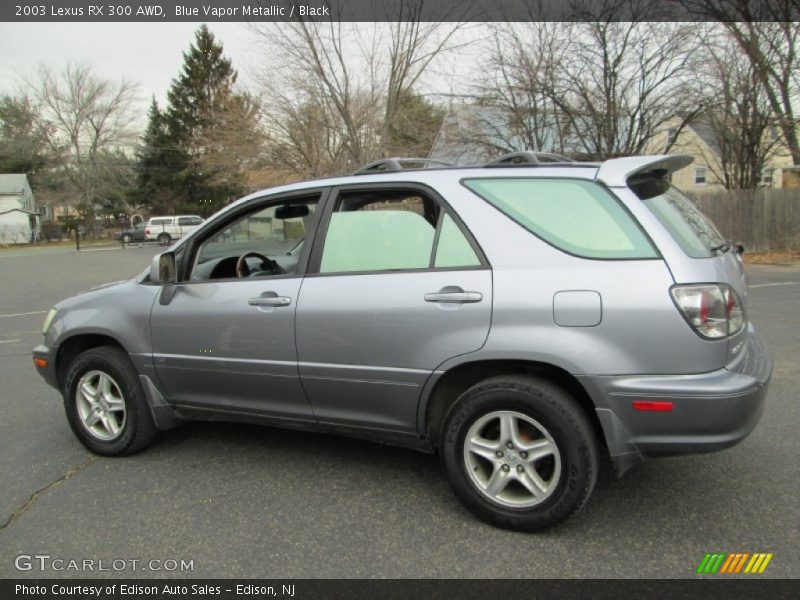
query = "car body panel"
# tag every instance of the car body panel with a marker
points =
(367, 343)
(212, 349)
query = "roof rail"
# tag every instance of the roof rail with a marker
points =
(527, 157)
(396, 164)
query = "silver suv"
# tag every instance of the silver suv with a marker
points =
(520, 318)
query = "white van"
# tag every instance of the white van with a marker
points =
(166, 229)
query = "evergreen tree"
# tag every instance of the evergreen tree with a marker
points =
(159, 163)
(198, 99)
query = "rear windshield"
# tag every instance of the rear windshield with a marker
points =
(576, 216)
(688, 226)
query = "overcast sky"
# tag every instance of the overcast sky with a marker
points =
(149, 54)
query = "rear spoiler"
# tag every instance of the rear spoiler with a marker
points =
(616, 171)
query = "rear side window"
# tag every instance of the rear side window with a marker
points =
(686, 224)
(576, 216)
(160, 221)
(375, 230)
(453, 249)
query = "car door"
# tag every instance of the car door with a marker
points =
(223, 340)
(396, 286)
(186, 225)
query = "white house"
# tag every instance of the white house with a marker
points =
(17, 212)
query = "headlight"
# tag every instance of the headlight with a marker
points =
(48, 320)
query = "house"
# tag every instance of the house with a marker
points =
(697, 139)
(18, 217)
(473, 134)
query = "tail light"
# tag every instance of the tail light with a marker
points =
(713, 310)
(147, 232)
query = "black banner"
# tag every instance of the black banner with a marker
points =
(210, 11)
(302, 589)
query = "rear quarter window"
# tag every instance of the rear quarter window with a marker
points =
(576, 216)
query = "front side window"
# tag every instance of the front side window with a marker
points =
(392, 230)
(576, 216)
(262, 243)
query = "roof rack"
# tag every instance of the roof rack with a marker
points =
(528, 158)
(396, 164)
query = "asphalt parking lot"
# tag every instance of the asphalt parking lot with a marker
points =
(243, 501)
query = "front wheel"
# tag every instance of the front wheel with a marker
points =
(105, 404)
(126, 239)
(519, 453)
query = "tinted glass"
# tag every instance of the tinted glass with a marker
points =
(688, 226)
(453, 248)
(579, 217)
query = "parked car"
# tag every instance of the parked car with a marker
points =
(167, 229)
(518, 318)
(133, 234)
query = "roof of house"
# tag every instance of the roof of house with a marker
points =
(13, 183)
(472, 134)
(705, 132)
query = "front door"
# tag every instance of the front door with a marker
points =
(224, 341)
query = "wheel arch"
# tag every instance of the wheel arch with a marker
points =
(458, 379)
(72, 347)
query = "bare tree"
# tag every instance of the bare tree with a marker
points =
(768, 33)
(91, 119)
(333, 90)
(522, 60)
(233, 144)
(737, 120)
(595, 89)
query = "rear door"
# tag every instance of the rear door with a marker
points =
(187, 225)
(396, 286)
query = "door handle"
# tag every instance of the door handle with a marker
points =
(270, 299)
(454, 295)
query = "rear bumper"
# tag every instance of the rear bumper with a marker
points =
(710, 411)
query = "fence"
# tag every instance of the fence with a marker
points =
(763, 220)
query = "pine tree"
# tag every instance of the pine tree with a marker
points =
(197, 100)
(158, 168)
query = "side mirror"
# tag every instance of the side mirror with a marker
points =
(738, 248)
(163, 269)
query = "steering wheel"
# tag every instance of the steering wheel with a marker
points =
(243, 270)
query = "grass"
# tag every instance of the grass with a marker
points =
(62, 244)
(784, 258)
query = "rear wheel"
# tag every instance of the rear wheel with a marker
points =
(105, 403)
(164, 239)
(126, 238)
(519, 453)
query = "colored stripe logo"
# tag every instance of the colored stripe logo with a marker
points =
(734, 562)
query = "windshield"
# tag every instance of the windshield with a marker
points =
(695, 234)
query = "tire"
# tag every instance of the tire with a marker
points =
(126, 239)
(116, 422)
(164, 239)
(509, 487)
